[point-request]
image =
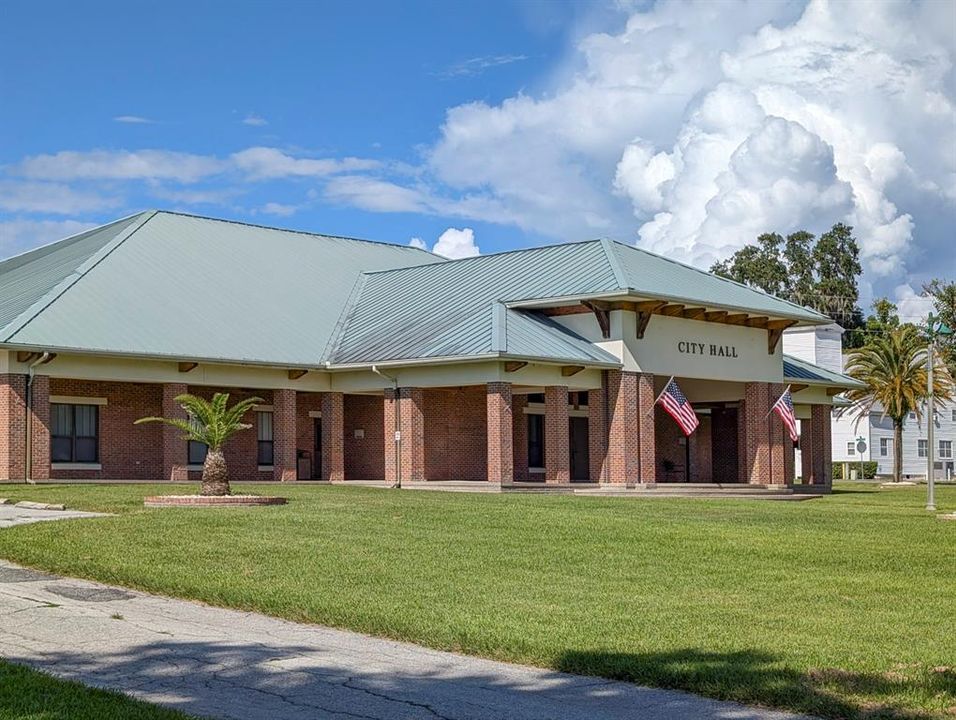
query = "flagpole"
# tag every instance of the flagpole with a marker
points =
(666, 385)
(776, 403)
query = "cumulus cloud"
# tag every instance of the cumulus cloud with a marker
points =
(120, 165)
(254, 120)
(269, 163)
(53, 198)
(453, 244)
(279, 209)
(699, 125)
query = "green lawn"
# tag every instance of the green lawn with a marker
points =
(843, 607)
(30, 695)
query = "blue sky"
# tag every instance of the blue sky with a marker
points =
(685, 127)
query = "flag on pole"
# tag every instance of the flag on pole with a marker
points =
(784, 408)
(677, 406)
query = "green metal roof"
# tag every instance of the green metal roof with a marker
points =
(163, 284)
(801, 371)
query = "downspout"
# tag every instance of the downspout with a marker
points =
(28, 430)
(398, 425)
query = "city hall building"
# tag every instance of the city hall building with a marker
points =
(377, 362)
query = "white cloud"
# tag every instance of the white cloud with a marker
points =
(912, 306)
(120, 165)
(279, 209)
(477, 65)
(56, 198)
(373, 194)
(133, 120)
(456, 243)
(20, 234)
(268, 163)
(254, 120)
(417, 242)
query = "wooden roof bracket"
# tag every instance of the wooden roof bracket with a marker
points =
(297, 373)
(775, 330)
(569, 370)
(602, 313)
(644, 311)
(514, 365)
(185, 367)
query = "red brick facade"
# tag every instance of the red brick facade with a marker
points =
(462, 433)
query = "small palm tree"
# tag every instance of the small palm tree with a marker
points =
(210, 422)
(893, 367)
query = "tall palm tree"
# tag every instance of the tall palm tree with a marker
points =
(893, 367)
(210, 422)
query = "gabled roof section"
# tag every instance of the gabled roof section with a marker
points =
(189, 287)
(28, 278)
(803, 372)
(645, 273)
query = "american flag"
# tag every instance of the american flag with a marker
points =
(784, 408)
(676, 404)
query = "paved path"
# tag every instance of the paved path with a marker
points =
(12, 515)
(228, 664)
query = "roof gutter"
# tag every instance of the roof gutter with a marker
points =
(28, 429)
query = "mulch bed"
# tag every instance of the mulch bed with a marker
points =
(212, 500)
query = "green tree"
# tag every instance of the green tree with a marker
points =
(211, 422)
(892, 365)
(882, 320)
(818, 273)
(943, 293)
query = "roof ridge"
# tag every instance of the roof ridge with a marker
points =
(613, 262)
(338, 332)
(295, 232)
(635, 248)
(78, 273)
(513, 251)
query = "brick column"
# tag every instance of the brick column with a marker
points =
(283, 435)
(520, 444)
(756, 444)
(40, 427)
(333, 437)
(779, 438)
(821, 453)
(806, 452)
(13, 390)
(622, 460)
(647, 463)
(408, 407)
(557, 441)
(175, 449)
(597, 435)
(500, 433)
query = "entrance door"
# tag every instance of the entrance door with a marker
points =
(317, 453)
(580, 461)
(723, 445)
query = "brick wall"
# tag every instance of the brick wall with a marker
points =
(242, 449)
(175, 455)
(12, 426)
(670, 447)
(756, 456)
(126, 451)
(456, 433)
(725, 467)
(306, 402)
(597, 435)
(332, 466)
(520, 438)
(365, 457)
(557, 452)
(701, 448)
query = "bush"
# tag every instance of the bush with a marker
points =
(869, 470)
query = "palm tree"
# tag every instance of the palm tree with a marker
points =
(893, 368)
(210, 422)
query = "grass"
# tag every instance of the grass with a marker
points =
(840, 607)
(27, 694)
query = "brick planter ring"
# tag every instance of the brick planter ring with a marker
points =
(212, 500)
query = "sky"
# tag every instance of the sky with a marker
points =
(687, 128)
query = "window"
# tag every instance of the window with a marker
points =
(946, 448)
(74, 433)
(197, 452)
(912, 416)
(885, 445)
(536, 398)
(851, 448)
(922, 449)
(954, 415)
(536, 441)
(264, 424)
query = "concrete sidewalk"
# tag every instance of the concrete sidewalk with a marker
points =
(11, 515)
(227, 664)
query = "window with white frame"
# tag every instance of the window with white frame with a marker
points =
(851, 448)
(264, 429)
(946, 448)
(922, 448)
(886, 446)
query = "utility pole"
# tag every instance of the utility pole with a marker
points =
(934, 327)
